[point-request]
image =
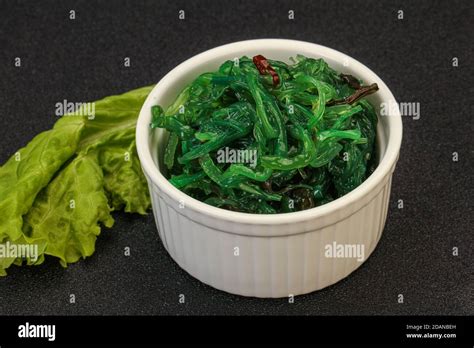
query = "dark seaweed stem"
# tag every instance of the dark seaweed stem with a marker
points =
(351, 81)
(265, 68)
(305, 198)
(267, 186)
(360, 93)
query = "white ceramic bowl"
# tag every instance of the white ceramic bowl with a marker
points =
(267, 255)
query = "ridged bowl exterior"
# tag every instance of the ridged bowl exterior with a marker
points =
(277, 266)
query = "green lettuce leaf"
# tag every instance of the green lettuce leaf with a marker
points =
(91, 160)
(29, 170)
(123, 178)
(112, 133)
(66, 214)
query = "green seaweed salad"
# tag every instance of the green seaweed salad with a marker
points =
(262, 136)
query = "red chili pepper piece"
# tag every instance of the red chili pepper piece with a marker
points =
(265, 68)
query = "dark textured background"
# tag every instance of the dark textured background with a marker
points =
(82, 60)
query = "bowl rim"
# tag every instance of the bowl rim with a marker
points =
(143, 133)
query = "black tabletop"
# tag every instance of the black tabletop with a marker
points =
(82, 59)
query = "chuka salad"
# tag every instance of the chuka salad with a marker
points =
(262, 136)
